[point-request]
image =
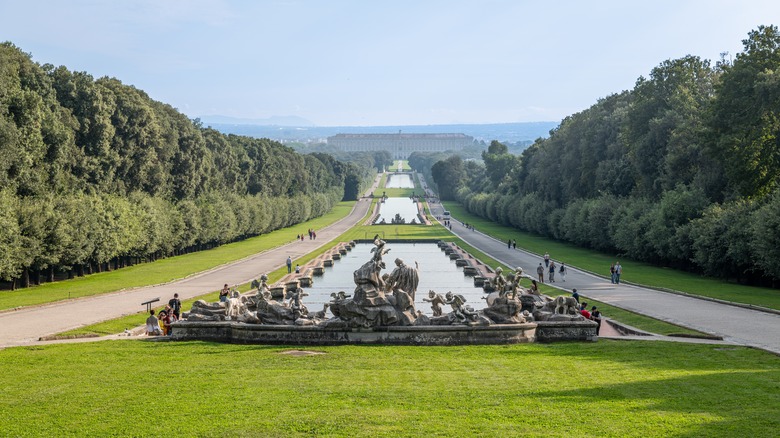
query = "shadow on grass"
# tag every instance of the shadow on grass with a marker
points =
(743, 403)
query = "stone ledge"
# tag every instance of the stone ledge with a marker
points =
(240, 333)
(235, 332)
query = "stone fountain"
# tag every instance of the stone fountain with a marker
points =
(381, 310)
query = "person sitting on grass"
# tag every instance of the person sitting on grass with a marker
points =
(152, 325)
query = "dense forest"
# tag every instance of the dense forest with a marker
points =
(680, 171)
(95, 175)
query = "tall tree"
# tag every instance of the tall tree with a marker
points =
(745, 119)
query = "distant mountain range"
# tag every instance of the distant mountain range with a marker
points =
(270, 121)
(281, 129)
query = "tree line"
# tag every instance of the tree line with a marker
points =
(95, 175)
(680, 171)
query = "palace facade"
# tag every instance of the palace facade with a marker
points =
(400, 145)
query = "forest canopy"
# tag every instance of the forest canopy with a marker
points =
(95, 174)
(683, 170)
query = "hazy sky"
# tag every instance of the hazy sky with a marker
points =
(378, 62)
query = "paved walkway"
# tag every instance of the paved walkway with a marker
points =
(735, 324)
(29, 324)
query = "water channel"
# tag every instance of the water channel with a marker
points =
(406, 207)
(436, 272)
(399, 181)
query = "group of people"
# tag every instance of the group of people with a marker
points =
(511, 244)
(551, 268)
(302, 237)
(614, 272)
(594, 314)
(161, 324)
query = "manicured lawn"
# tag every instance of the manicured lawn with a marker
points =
(633, 271)
(618, 389)
(397, 193)
(404, 166)
(164, 270)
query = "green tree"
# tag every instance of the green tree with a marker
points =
(745, 120)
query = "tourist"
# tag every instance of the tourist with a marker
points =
(562, 271)
(575, 295)
(595, 315)
(540, 273)
(509, 244)
(289, 265)
(546, 259)
(152, 325)
(167, 318)
(534, 289)
(551, 274)
(224, 293)
(584, 311)
(175, 304)
(514, 244)
(612, 273)
(618, 271)
(297, 269)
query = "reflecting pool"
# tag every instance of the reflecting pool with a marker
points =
(399, 181)
(436, 272)
(406, 207)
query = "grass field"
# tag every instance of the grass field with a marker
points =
(617, 389)
(607, 388)
(633, 271)
(164, 270)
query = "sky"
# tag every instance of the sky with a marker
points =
(379, 62)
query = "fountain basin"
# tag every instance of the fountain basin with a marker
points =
(240, 333)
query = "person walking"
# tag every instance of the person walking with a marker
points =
(551, 275)
(618, 271)
(546, 259)
(289, 264)
(540, 273)
(509, 244)
(514, 244)
(612, 273)
(562, 272)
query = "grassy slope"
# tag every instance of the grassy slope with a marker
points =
(621, 389)
(165, 270)
(633, 271)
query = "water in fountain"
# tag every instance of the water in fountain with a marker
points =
(436, 271)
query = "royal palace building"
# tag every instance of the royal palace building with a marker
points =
(400, 145)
